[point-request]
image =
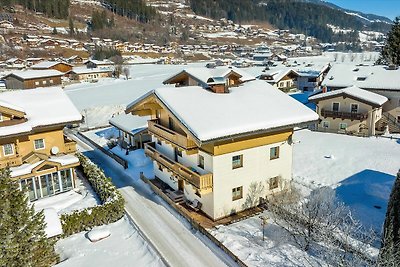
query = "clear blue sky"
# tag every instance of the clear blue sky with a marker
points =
(388, 8)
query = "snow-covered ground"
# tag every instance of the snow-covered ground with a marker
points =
(361, 170)
(124, 247)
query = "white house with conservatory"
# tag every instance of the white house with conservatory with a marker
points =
(224, 142)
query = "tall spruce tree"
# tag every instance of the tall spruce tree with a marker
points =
(390, 250)
(391, 52)
(23, 241)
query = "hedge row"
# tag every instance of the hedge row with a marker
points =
(110, 210)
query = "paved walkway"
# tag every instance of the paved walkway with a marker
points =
(174, 241)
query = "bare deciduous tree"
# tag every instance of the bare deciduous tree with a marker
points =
(126, 72)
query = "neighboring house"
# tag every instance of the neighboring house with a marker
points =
(76, 60)
(30, 79)
(202, 76)
(132, 130)
(381, 80)
(33, 60)
(32, 141)
(53, 65)
(92, 63)
(350, 110)
(85, 74)
(311, 76)
(283, 79)
(15, 63)
(226, 150)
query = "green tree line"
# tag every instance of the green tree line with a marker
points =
(132, 9)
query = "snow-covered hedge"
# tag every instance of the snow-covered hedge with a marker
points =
(111, 209)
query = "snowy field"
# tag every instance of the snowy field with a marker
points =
(361, 170)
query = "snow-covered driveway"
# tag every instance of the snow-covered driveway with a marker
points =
(172, 237)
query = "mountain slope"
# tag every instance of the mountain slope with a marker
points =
(310, 17)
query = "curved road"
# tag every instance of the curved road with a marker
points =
(175, 242)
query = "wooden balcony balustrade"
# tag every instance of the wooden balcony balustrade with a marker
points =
(344, 115)
(170, 135)
(204, 183)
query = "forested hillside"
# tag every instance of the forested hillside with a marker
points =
(51, 8)
(298, 16)
(133, 9)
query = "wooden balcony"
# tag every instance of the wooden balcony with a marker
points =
(170, 135)
(70, 146)
(204, 183)
(344, 115)
(12, 161)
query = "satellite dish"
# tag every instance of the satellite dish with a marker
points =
(55, 150)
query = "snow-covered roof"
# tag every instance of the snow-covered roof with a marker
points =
(11, 106)
(278, 74)
(129, 123)
(203, 74)
(43, 107)
(354, 92)
(48, 64)
(32, 74)
(99, 62)
(252, 107)
(365, 77)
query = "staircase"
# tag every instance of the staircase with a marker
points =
(176, 196)
(390, 121)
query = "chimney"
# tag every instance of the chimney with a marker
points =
(218, 85)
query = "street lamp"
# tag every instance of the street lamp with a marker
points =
(264, 221)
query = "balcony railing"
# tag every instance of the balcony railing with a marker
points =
(204, 183)
(170, 135)
(70, 146)
(344, 115)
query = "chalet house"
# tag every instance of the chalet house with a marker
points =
(41, 159)
(283, 79)
(311, 76)
(351, 110)
(15, 63)
(30, 79)
(92, 63)
(33, 60)
(132, 130)
(222, 149)
(381, 80)
(53, 65)
(204, 76)
(75, 60)
(88, 75)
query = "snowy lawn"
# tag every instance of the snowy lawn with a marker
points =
(124, 247)
(361, 170)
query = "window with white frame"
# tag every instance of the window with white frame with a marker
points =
(36, 83)
(274, 152)
(274, 182)
(8, 149)
(325, 124)
(51, 81)
(39, 144)
(237, 193)
(342, 126)
(237, 161)
(354, 108)
(44, 82)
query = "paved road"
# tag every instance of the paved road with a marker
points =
(174, 241)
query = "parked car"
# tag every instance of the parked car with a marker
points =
(2, 84)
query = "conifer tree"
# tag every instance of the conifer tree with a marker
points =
(391, 52)
(23, 241)
(390, 250)
(71, 26)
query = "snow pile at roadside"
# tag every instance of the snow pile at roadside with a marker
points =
(124, 247)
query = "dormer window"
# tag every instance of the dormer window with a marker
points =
(39, 144)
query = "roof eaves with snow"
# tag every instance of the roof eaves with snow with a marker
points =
(365, 96)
